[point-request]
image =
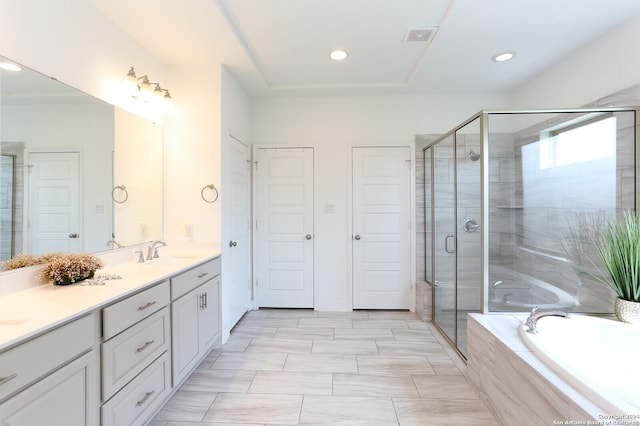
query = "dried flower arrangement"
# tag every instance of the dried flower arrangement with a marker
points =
(67, 268)
(25, 260)
(21, 261)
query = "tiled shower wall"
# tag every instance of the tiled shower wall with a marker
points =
(11, 184)
(423, 231)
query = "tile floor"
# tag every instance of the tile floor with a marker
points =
(300, 367)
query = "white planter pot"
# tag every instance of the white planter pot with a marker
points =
(627, 311)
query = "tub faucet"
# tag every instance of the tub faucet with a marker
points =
(492, 289)
(536, 315)
(153, 249)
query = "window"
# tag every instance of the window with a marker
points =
(593, 140)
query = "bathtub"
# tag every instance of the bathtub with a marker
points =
(599, 357)
(520, 293)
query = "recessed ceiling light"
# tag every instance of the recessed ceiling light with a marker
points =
(8, 66)
(338, 55)
(503, 56)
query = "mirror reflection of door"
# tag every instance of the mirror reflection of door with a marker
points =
(53, 208)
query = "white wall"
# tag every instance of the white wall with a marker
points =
(192, 154)
(334, 125)
(606, 66)
(138, 158)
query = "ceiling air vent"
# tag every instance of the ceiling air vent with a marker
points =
(421, 34)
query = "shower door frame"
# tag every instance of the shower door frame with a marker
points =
(482, 116)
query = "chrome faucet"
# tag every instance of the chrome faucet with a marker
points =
(536, 315)
(153, 249)
(113, 244)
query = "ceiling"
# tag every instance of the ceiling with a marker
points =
(281, 47)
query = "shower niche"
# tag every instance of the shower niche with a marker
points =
(512, 201)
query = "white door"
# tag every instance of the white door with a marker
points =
(284, 228)
(237, 249)
(53, 209)
(381, 228)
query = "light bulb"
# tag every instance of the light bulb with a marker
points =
(338, 55)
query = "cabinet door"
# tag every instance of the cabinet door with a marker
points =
(184, 334)
(209, 319)
(67, 397)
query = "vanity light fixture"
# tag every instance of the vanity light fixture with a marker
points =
(503, 56)
(9, 66)
(146, 91)
(338, 55)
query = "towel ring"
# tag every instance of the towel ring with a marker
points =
(123, 189)
(212, 188)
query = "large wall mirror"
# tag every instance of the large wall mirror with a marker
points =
(76, 174)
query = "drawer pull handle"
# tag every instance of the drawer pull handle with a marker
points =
(4, 380)
(143, 400)
(205, 300)
(202, 275)
(146, 305)
(145, 346)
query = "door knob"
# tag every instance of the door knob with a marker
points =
(73, 235)
(308, 236)
(233, 243)
(356, 237)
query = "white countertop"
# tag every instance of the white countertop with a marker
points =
(27, 313)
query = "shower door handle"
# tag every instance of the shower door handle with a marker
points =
(446, 243)
(470, 225)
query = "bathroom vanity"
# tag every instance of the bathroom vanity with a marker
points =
(111, 354)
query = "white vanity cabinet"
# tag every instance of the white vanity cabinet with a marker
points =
(110, 359)
(136, 367)
(195, 312)
(52, 379)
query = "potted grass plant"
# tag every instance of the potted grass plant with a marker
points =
(618, 246)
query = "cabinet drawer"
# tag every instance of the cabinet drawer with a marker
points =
(187, 281)
(138, 400)
(128, 353)
(29, 361)
(123, 314)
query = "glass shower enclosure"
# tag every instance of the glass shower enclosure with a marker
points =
(512, 202)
